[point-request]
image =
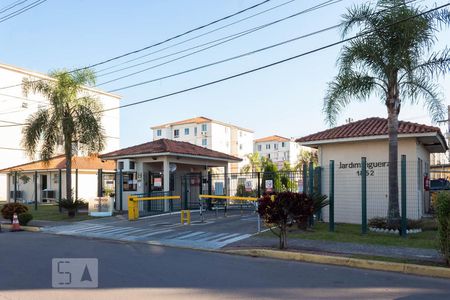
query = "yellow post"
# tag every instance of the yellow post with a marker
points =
(185, 216)
(130, 208)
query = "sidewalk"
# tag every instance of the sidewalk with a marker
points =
(330, 247)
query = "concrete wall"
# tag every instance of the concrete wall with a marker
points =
(348, 179)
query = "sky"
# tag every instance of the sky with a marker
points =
(286, 99)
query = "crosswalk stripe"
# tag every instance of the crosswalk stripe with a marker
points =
(227, 236)
(187, 236)
(217, 237)
(205, 237)
(92, 230)
(132, 232)
(179, 234)
(156, 233)
(115, 229)
(79, 229)
(237, 238)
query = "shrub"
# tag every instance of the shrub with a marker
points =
(381, 222)
(24, 218)
(284, 209)
(443, 217)
(72, 206)
(242, 192)
(9, 209)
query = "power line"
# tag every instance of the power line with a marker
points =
(161, 42)
(197, 36)
(227, 59)
(264, 66)
(230, 38)
(12, 5)
(22, 10)
(272, 64)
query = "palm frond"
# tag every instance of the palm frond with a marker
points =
(33, 131)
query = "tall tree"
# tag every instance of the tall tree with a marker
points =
(305, 157)
(72, 118)
(393, 59)
(254, 163)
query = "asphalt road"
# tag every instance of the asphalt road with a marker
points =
(140, 271)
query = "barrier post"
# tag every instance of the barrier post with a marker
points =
(131, 209)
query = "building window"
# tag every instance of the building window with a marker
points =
(267, 146)
(176, 133)
(240, 133)
(282, 144)
(195, 131)
(204, 142)
(129, 182)
(204, 127)
(158, 132)
(240, 146)
(132, 165)
(259, 147)
(275, 146)
(186, 131)
(268, 155)
(120, 166)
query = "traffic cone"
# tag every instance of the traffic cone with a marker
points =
(15, 223)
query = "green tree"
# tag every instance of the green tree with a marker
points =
(393, 60)
(254, 163)
(270, 172)
(305, 157)
(72, 118)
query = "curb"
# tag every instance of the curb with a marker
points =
(23, 228)
(346, 261)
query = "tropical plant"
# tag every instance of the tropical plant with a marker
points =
(390, 58)
(9, 209)
(72, 206)
(254, 163)
(305, 158)
(72, 118)
(443, 217)
(270, 172)
(282, 210)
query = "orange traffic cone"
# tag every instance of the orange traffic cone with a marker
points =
(15, 223)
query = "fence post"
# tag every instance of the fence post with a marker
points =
(121, 190)
(363, 196)
(331, 198)
(59, 189)
(35, 190)
(304, 176)
(76, 184)
(318, 171)
(99, 183)
(403, 195)
(311, 178)
(15, 187)
(259, 184)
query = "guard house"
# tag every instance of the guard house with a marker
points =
(346, 144)
(172, 167)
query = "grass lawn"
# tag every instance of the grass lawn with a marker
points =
(50, 212)
(352, 233)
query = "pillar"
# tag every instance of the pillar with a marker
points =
(166, 182)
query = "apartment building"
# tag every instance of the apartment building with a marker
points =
(15, 108)
(279, 149)
(211, 134)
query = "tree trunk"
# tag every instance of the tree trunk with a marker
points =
(283, 233)
(68, 155)
(393, 209)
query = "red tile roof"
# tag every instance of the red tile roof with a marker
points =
(368, 127)
(59, 162)
(169, 146)
(271, 138)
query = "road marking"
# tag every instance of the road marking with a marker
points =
(228, 236)
(235, 239)
(187, 236)
(155, 233)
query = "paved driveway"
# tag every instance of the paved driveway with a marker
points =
(216, 231)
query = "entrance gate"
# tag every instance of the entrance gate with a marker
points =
(191, 189)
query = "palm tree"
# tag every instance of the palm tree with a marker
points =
(72, 118)
(254, 163)
(392, 59)
(304, 158)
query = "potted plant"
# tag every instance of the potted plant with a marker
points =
(71, 206)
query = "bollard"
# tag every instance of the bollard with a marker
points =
(201, 210)
(185, 217)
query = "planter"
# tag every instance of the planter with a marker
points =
(392, 231)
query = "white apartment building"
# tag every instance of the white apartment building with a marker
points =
(15, 108)
(279, 149)
(211, 134)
